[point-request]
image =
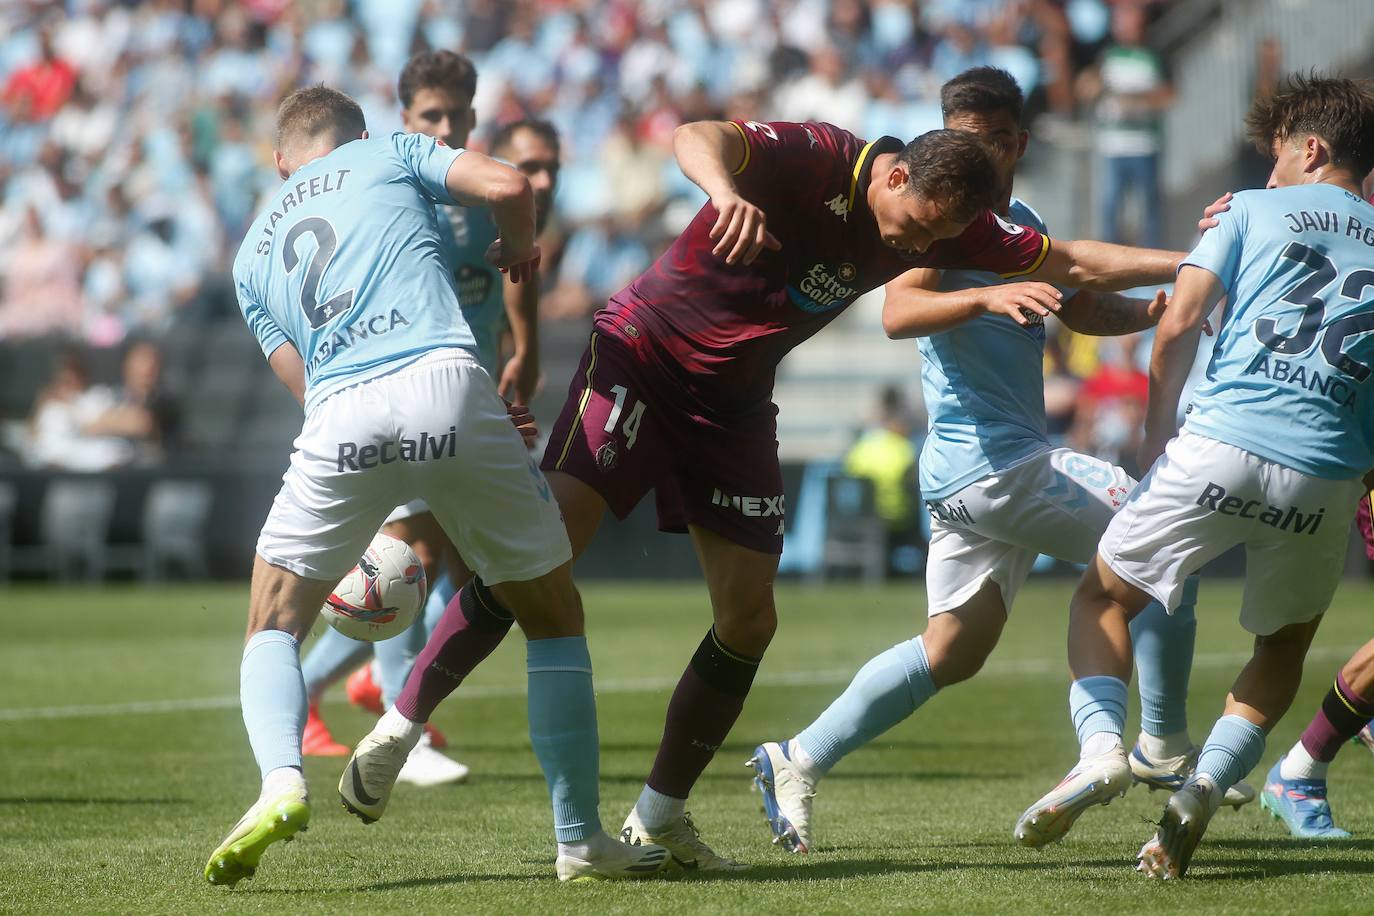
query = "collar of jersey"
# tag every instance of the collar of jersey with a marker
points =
(863, 167)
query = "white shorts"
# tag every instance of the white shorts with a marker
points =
(1203, 497)
(1057, 503)
(435, 430)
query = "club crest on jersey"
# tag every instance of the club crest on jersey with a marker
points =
(824, 288)
(607, 457)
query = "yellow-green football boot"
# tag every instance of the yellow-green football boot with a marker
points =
(275, 817)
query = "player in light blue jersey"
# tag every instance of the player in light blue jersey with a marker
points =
(436, 89)
(999, 493)
(343, 282)
(1271, 454)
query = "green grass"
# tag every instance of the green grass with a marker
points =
(117, 813)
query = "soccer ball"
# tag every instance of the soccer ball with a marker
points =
(382, 595)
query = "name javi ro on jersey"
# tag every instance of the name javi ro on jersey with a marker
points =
(1330, 221)
(314, 187)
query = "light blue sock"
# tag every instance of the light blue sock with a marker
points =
(1164, 660)
(1097, 704)
(272, 694)
(890, 687)
(440, 594)
(332, 657)
(1233, 748)
(562, 710)
(396, 656)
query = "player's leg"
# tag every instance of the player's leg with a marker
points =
(332, 655)
(967, 575)
(709, 696)
(1295, 789)
(1292, 571)
(320, 522)
(1259, 697)
(586, 445)
(496, 506)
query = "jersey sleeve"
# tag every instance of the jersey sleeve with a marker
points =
(778, 152)
(1219, 250)
(428, 161)
(265, 329)
(992, 244)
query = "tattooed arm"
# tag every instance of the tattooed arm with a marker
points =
(1110, 314)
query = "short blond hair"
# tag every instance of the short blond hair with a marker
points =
(318, 113)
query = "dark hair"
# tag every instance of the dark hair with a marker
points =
(436, 70)
(541, 128)
(982, 90)
(318, 111)
(952, 169)
(1340, 111)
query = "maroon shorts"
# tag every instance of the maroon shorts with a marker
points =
(619, 434)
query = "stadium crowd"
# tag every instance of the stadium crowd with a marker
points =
(135, 137)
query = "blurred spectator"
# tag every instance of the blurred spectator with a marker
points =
(142, 414)
(38, 91)
(1130, 91)
(1111, 404)
(40, 283)
(886, 456)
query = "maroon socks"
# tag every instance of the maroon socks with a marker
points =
(473, 625)
(1343, 714)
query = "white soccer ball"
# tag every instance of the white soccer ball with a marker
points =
(382, 595)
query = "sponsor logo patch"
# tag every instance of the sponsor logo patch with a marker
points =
(1213, 497)
(751, 506)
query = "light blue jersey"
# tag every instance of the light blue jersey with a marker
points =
(346, 263)
(1290, 374)
(467, 233)
(984, 388)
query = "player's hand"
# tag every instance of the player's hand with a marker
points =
(520, 266)
(740, 232)
(1022, 302)
(519, 379)
(523, 421)
(1209, 215)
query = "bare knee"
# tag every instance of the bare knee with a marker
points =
(281, 600)
(748, 622)
(548, 607)
(957, 649)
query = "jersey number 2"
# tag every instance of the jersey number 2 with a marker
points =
(326, 242)
(1321, 273)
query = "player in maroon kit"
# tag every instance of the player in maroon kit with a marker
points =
(674, 392)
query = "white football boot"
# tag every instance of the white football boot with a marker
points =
(371, 773)
(602, 858)
(683, 842)
(1170, 773)
(1181, 827)
(1092, 781)
(427, 767)
(787, 795)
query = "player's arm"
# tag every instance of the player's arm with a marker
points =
(1100, 314)
(1196, 292)
(286, 362)
(475, 180)
(1101, 265)
(520, 375)
(913, 308)
(711, 154)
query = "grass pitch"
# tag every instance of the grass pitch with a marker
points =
(124, 762)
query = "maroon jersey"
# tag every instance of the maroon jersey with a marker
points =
(718, 331)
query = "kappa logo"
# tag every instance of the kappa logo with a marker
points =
(810, 136)
(1011, 228)
(839, 205)
(751, 506)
